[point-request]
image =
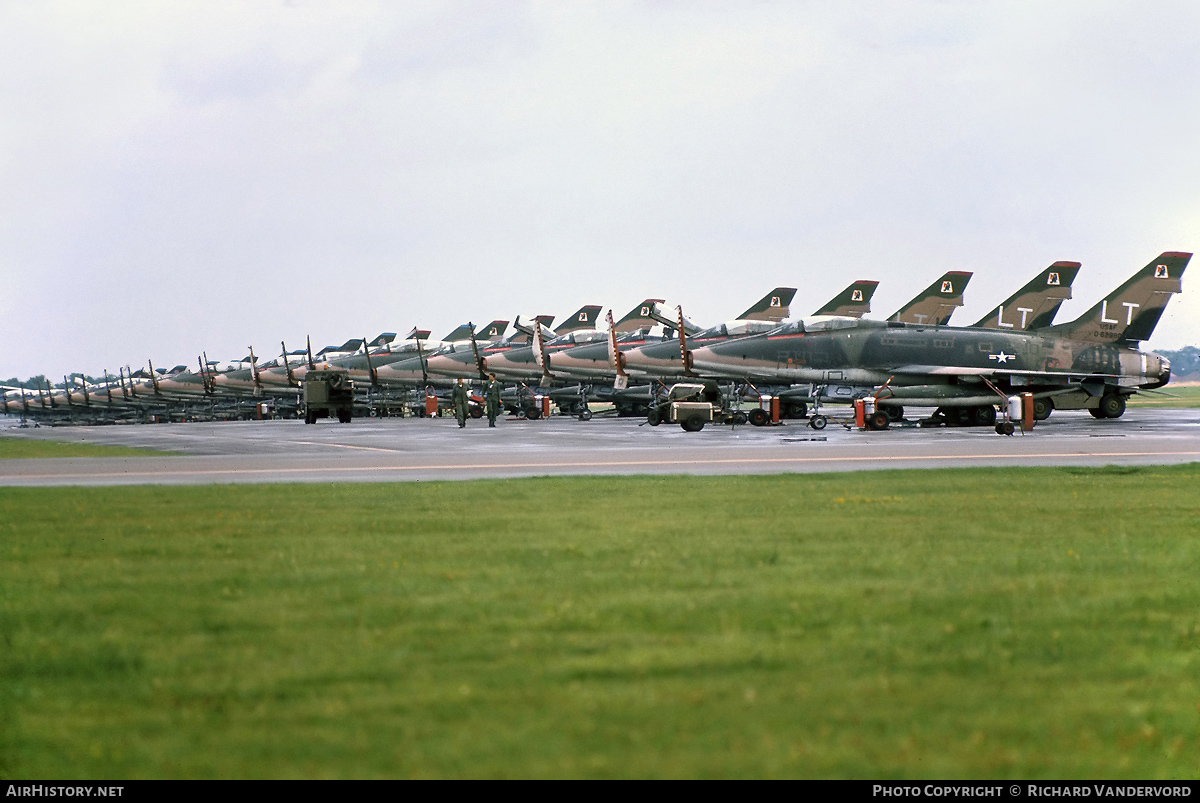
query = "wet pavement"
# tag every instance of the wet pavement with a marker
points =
(394, 449)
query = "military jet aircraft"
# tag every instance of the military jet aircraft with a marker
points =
(1092, 362)
(665, 359)
(525, 363)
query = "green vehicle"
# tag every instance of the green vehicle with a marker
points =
(326, 394)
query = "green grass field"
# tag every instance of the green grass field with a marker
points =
(22, 448)
(1181, 396)
(970, 623)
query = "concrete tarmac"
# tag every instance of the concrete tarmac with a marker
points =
(393, 449)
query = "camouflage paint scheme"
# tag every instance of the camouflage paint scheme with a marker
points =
(1096, 353)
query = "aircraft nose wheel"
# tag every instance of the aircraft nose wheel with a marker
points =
(818, 422)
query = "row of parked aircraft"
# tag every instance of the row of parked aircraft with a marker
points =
(834, 354)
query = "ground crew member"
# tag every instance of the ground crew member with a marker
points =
(460, 403)
(492, 395)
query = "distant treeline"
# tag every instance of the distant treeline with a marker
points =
(1185, 363)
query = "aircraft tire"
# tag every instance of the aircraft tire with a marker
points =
(693, 424)
(984, 416)
(1112, 405)
(818, 422)
(894, 414)
(653, 418)
(738, 418)
(1042, 409)
(585, 415)
(758, 417)
(797, 410)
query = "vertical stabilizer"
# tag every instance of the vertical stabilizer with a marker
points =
(1034, 305)
(643, 316)
(584, 318)
(774, 306)
(1130, 313)
(463, 332)
(493, 331)
(853, 302)
(937, 302)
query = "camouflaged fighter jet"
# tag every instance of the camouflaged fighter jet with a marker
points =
(526, 362)
(669, 359)
(417, 372)
(662, 359)
(592, 360)
(364, 367)
(1092, 362)
(469, 360)
(410, 370)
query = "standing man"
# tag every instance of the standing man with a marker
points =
(492, 395)
(460, 403)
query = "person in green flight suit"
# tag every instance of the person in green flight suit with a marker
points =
(460, 403)
(492, 395)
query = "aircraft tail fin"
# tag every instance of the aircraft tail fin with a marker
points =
(640, 317)
(1130, 313)
(1034, 305)
(774, 306)
(384, 339)
(584, 318)
(463, 332)
(493, 331)
(937, 302)
(853, 302)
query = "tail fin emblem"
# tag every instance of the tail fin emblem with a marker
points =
(947, 287)
(492, 332)
(775, 301)
(856, 295)
(645, 313)
(583, 317)
(1052, 279)
(1160, 272)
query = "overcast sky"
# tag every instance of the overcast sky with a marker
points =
(178, 177)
